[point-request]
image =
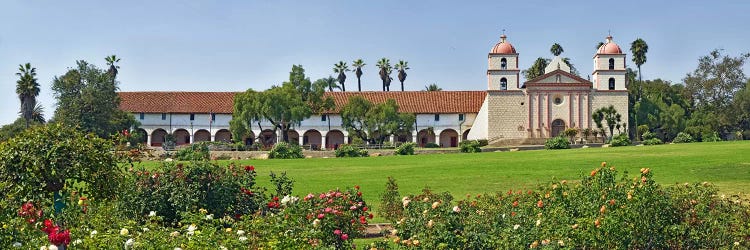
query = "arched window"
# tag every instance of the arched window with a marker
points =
(611, 84)
(503, 63)
(611, 63)
(503, 83)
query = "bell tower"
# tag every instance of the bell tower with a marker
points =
(609, 67)
(502, 70)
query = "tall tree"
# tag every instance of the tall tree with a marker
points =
(432, 87)
(556, 49)
(573, 69)
(341, 69)
(27, 89)
(358, 64)
(283, 106)
(536, 69)
(113, 69)
(330, 83)
(384, 64)
(87, 98)
(374, 122)
(639, 48)
(401, 66)
(714, 84)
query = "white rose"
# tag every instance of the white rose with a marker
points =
(243, 238)
(124, 231)
(17, 244)
(93, 233)
(515, 227)
(240, 232)
(210, 217)
(152, 214)
(52, 247)
(456, 209)
(78, 241)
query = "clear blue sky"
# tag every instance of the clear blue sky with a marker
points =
(236, 45)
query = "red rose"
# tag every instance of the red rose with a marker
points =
(356, 187)
(515, 203)
(364, 209)
(344, 237)
(249, 168)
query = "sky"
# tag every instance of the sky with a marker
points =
(183, 45)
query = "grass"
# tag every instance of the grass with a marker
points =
(726, 164)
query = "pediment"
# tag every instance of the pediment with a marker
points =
(558, 76)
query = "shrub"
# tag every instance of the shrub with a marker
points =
(470, 146)
(710, 137)
(351, 151)
(557, 142)
(283, 150)
(194, 152)
(390, 202)
(174, 189)
(620, 140)
(652, 141)
(605, 210)
(406, 148)
(483, 142)
(683, 137)
(641, 130)
(571, 133)
(648, 135)
(431, 145)
(54, 159)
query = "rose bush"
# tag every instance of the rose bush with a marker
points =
(604, 210)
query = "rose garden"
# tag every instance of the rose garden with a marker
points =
(83, 192)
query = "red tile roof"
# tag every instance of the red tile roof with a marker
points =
(177, 102)
(422, 102)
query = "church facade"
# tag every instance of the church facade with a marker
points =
(548, 104)
(508, 110)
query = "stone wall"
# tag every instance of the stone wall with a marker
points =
(507, 114)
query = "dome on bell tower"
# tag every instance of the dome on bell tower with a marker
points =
(503, 47)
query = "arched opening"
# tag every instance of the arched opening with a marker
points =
(293, 137)
(223, 135)
(141, 135)
(465, 136)
(558, 126)
(158, 137)
(503, 63)
(249, 138)
(403, 136)
(202, 135)
(312, 139)
(424, 136)
(268, 137)
(611, 63)
(181, 137)
(448, 138)
(334, 138)
(611, 83)
(503, 83)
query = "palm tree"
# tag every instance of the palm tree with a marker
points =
(385, 71)
(331, 83)
(432, 87)
(341, 69)
(358, 64)
(111, 60)
(388, 80)
(27, 89)
(401, 66)
(639, 49)
(556, 49)
(38, 114)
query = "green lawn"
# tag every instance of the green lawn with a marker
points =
(726, 164)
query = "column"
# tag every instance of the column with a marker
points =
(437, 139)
(299, 140)
(571, 111)
(192, 139)
(392, 139)
(346, 139)
(414, 137)
(539, 117)
(530, 125)
(324, 145)
(148, 139)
